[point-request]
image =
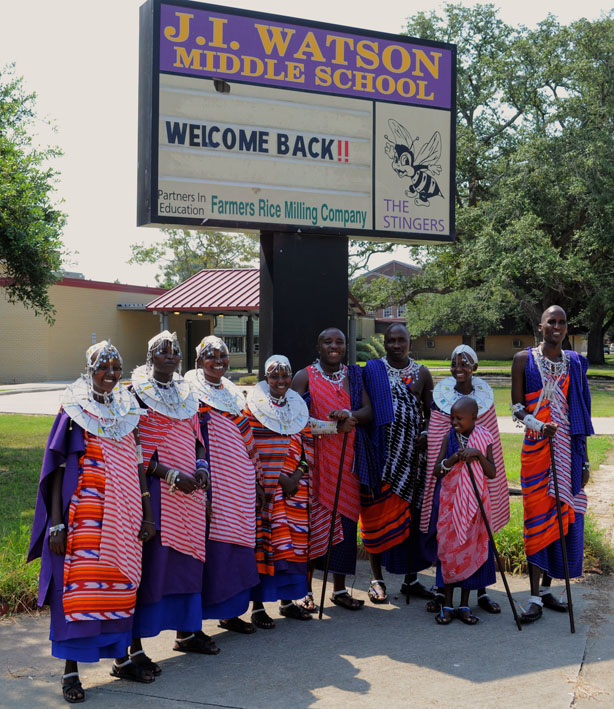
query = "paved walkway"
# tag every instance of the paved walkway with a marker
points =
(392, 655)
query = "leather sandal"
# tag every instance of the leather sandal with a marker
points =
(553, 603)
(434, 605)
(531, 614)
(487, 604)
(198, 642)
(442, 619)
(464, 614)
(146, 662)
(343, 599)
(71, 682)
(292, 610)
(377, 591)
(415, 588)
(132, 672)
(308, 603)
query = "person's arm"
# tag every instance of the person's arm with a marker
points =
(57, 537)
(426, 398)
(181, 481)
(148, 527)
(443, 464)
(300, 383)
(201, 474)
(486, 461)
(518, 398)
(289, 483)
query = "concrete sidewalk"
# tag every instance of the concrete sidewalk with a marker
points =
(392, 655)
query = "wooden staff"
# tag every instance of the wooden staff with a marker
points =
(332, 525)
(559, 516)
(494, 546)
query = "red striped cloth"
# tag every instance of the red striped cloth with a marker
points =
(183, 524)
(462, 539)
(498, 490)
(325, 397)
(282, 525)
(102, 564)
(233, 480)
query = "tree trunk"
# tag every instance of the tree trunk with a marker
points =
(595, 346)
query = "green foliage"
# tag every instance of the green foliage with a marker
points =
(30, 225)
(365, 351)
(535, 180)
(183, 253)
(377, 342)
(249, 380)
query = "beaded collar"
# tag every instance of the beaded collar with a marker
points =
(226, 397)
(287, 417)
(397, 376)
(175, 399)
(444, 394)
(336, 378)
(114, 419)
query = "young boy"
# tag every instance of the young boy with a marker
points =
(466, 558)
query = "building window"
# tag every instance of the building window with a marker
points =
(430, 344)
(480, 344)
(387, 312)
(234, 343)
(401, 311)
(256, 343)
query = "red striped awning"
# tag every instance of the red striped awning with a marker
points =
(213, 289)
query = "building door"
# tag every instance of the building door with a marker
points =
(195, 330)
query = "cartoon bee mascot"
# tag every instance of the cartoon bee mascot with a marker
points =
(420, 169)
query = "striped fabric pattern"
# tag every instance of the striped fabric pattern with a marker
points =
(462, 539)
(385, 521)
(183, 523)
(233, 478)
(102, 565)
(282, 525)
(540, 518)
(439, 425)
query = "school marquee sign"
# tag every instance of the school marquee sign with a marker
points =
(256, 121)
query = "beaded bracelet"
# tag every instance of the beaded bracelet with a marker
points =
(201, 464)
(56, 529)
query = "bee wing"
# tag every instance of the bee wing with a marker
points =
(430, 153)
(401, 134)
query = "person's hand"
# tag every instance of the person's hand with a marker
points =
(422, 442)
(147, 531)
(468, 454)
(260, 497)
(586, 474)
(346, 425)
(186, 483)
(202, 479)
(57, 542)
(209, 511)
(289, 485)
(549, 430)
(339, 414)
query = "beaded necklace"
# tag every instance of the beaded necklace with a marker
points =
(335, 378)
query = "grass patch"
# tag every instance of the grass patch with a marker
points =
(602, 398)
(23, 440)
(598, 450)
(249, 380)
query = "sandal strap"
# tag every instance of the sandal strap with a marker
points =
(260, 610)
(286, 605)
(122, 664)
(138, 652)
(186, 639)
(340, 593)
(463, 608)
(483, 595)
(70, 674)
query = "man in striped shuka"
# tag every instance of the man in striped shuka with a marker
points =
(401, 393)
(339, 406)
(551, 398)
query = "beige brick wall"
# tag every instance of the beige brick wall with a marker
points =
(35, 351)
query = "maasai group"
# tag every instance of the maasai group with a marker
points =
(175, 500)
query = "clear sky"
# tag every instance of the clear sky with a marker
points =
(80, 57)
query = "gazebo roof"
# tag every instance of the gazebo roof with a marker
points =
(213, 289)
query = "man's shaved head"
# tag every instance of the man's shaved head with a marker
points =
(549, 311)
(328, 330)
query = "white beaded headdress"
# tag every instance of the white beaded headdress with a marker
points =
(469, 352)
(160, 338)
(98, 353)
(209, 344)
(277, 362)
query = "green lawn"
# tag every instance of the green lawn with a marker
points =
(22, 442)
(598, 449)
(602, 396)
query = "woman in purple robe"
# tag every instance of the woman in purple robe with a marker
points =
(92, 515)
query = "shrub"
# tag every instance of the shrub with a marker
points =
(377, 342)
(365, 351)
(248, 381)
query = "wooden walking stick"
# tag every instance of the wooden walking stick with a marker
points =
(332, 526)
(559, 516)
(494, 546)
